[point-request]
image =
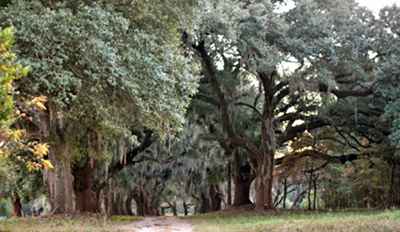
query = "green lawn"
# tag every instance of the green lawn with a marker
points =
(364, 221)
(66, 224)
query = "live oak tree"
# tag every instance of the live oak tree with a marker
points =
(237, 162)
(185, 168)
(100, 73)
(324, 47)
(386, 53)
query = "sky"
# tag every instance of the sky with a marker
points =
(373, 5)
(376, 5)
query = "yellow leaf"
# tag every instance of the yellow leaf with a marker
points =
(40, 150)
(39, 102)
(47, 164)
(3, 153)
(16, 135)
(31, 166)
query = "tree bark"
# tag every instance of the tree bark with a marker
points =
(229, 186)
(115, 209)
(128, 204)
(309, 191)
(395, 184)
(215, 197)
(284, 193)
(144, 204)
(17, 206)
(265, 160)
(204, 206)
(242, 191)
(174, 209)
(242, 181)
(315, 193)
(60, 180)
(185, 208)
(87, 200)
(263, 184)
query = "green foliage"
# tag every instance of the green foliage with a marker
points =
(311, 30)
(387, 53)
(12, 140)
(361, 184)
(4, 3)
(17, 178)
(102, 68)
(9, 72)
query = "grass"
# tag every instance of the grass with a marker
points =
(356, 221)
(226, 221)
(67, 224)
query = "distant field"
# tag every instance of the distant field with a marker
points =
(365, 221)
(58, 224)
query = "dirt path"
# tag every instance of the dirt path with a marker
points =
(159, 224)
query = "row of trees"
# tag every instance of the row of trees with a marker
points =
(150, 105)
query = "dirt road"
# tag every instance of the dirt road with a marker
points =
(159, 224)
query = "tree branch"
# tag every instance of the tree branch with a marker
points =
(318, 155)
(132, 153)
(360, 92)
(293, 132)
(251, 107)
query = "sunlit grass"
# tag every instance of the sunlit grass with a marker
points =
(355, 221)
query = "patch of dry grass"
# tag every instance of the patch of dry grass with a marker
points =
(67, 224)
(365, 221)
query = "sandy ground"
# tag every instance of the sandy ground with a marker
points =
(159, 224)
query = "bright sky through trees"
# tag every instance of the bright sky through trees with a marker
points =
(375, 5)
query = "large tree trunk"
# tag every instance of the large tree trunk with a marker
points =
(185, 208)
(204, 206)
(144, 203)
(265, 158)
(174, 208)
(215, 197)
(119, 206)
(395, 184)
(242, 191)
(17, 206)
(108, 197)
(263, 184)
(309, 190)
(315, 192)
(229, 185)
(60, 180)
(87, 200)
(128, 204)
(242, 182)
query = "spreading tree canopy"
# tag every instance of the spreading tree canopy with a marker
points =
(302, 60)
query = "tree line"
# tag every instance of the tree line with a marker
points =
(206, 104)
